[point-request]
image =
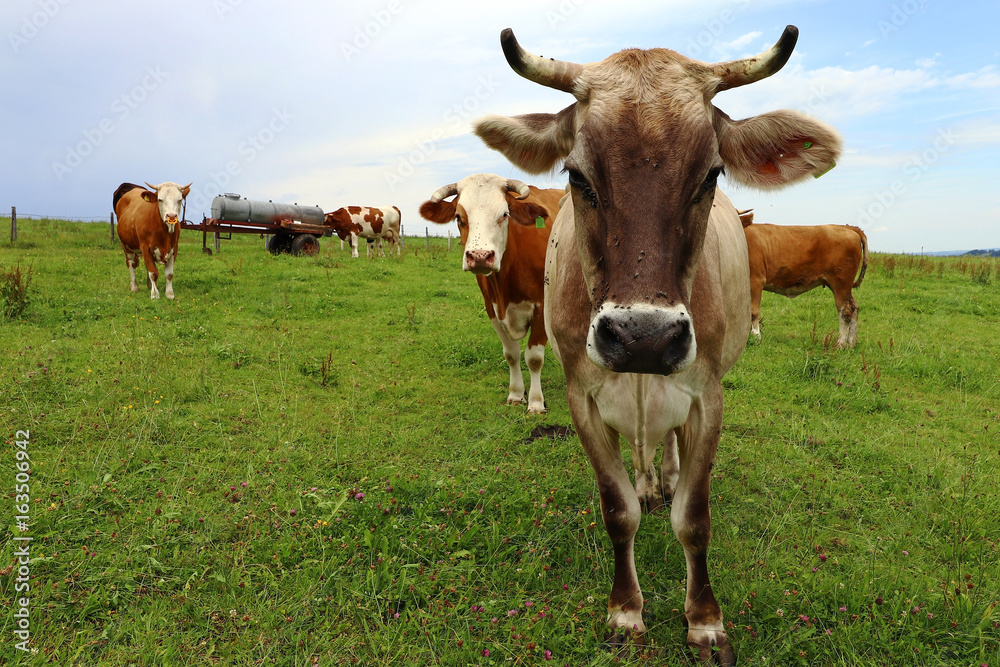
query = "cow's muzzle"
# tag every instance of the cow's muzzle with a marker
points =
(641, 339)
(480, 261)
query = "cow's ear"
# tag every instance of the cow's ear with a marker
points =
(441, 212)
(535, 142)
(149, 196)
(186, 189)
(777, 148)
(526, 213)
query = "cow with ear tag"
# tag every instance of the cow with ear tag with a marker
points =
(647, 291)
(149, 225)
(504, 228)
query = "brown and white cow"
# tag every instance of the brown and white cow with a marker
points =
(792, 259)
(647, 283)
(371, 224)
(508, 260)
(149, 225)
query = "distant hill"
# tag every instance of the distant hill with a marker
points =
(994, 252)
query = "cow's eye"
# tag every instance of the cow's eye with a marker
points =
(708, 185)
(713, 176)
(578, 182)
(576, 179)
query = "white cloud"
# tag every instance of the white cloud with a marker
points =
(986, 77)
(726, 49)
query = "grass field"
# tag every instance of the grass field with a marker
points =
(308, 461)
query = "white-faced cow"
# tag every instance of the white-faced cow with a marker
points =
(149, 225)
(371, 224)
(647, 284)
(508, 260)
(791, 260)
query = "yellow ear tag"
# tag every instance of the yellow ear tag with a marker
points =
(539, 222)
(818, 174)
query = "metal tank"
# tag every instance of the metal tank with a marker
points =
(232, 208)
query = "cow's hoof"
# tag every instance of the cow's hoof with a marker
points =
(170, 296)
(515, 400)
(533, 410)
(713, 649)
(622, 641)
(134, 288)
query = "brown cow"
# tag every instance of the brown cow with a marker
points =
(371, 224)
(647, 292)
(149, 225)
(790, 260)
(508, 260)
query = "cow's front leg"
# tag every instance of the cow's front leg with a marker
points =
(512, 353)
(132, 261)
(354, 245)
(152, 274)
(692, 525)
(756, 291)
(168, 273)
(621, 514)
(534, 357)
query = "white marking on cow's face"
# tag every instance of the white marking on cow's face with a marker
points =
(484, 212)
(169, 200)
(642, 338)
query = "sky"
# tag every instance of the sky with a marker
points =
(371, 102)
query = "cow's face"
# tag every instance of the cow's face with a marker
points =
(643, 147)
(483, 207)
(170, 200)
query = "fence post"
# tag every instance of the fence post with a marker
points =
(427, 235)
(216, 242)
(402, 239)
(112, 226)
(13, 224)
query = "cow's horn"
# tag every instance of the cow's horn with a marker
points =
(741, 72)
(519, 187)
(558, 74)
(154, 188)
(445, 192)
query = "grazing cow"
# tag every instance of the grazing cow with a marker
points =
(790, 260)
(647, 292)
(149, 225)
(508, 260)
(371, 224)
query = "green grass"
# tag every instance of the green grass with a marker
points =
(270, 468)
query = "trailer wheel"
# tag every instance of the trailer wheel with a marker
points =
(279, 243)
(305, 244)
